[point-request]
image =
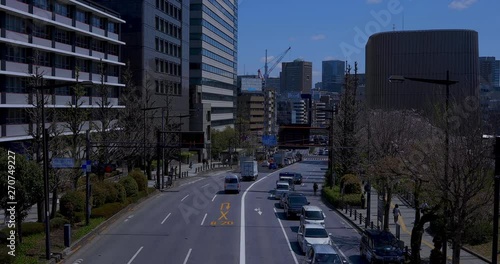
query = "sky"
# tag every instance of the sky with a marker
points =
(318, 30)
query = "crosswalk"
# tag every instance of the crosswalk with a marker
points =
(316, 158)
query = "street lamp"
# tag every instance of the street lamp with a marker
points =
(46, 158)
(447, 82)
(144, 141)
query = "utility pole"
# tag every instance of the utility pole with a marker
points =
(494, 250)
(87, 180)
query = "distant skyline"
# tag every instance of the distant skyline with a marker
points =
(339, 30)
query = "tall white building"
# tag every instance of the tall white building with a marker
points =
(52, 39)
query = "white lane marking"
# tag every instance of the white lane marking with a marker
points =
(242, 219)
(341, 253)
(187, 256)
(135, 255)
(187, 183)
(214, 197)
(184, 197)
(205, 185)
(286, 237)
(129, 217)
(203, 221)
(165, 218)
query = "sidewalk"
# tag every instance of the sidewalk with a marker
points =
(406, 226)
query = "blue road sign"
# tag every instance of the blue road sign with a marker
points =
(86, 166)
(63, 163)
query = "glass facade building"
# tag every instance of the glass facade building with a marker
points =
(213, 57)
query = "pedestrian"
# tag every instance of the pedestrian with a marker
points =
(190, 164)
(396, 213)
(315, 188)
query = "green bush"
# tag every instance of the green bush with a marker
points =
(130, 185)
(31, 228)
(140, 179)
(137, 197)
(58, 222)
(351, 184)
(82, 181)
(99, 194)
(106, 210)
(121, 193)
(333, 197)
(80, 216)
(5, 258)
(71, 203)
(479, 232)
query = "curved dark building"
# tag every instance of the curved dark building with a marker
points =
(421, 54)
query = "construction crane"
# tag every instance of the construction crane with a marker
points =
(268, 70)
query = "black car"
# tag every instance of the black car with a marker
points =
(297, 178)
(378, 246)
(293, 205)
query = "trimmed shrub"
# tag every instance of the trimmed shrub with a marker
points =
(106, 210)
(136, 198)
(130, 185)
(5, 258)
(479, 232)
(82, 181)
(111, 192)
(31, 228)
(121, 193)
(351, 184)
(71, 203)
(333, 197)
(140, 179)
(58, 222)
(99, 194)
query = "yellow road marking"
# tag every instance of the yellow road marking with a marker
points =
(228, 205)
(223, 215)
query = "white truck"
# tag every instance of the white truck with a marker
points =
(249, 170)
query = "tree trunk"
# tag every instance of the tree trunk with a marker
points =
(416, 236)
(387, 208)
(148, 169)
(54, 203)
(457, 246)
(39, 211)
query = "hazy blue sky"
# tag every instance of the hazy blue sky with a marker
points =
(334, 29)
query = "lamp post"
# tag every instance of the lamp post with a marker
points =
(46, 159)
(447, 82)
(144, 141)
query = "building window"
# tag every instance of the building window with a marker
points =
(15, 85)
(41, 31)
(98, 68)
(43, 4)
(112, 70)
(113, 27)
(16, 24)
(113, 49)
(82, 65)
(61, 9)
(81, 41)
(41, 58)
(62, 62)
(15, 54)
(98, 45)
(81, 16)
(16, 116)
(62, 36)
(98, 22)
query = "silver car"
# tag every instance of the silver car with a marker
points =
(310, 234)
(231, 183)
(281, 188)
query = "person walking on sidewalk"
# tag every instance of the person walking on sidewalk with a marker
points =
(396, 213)
(315, 188)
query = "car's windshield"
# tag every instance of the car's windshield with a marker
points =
(316, 232)
(231, 180)
(314, 215)
(297, 200)
(327, 259)
(282, 187)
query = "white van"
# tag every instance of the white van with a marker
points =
(231, 184)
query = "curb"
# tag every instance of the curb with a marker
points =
(98, 229)
(327, 203)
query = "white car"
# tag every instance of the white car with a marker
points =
(281, 188)
(232, 184)
(311, 234)
(311, 214)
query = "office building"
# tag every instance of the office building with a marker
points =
(53, 41)
(489, 71)
(333, 75)
(296, 76)
(422, 54)
(274, 83)
(251, 109)
(249, 83)
(157, 33)
(213, 57)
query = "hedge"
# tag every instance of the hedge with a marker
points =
(106, 210)
(58, 222)
(140, 179)
(99, 194)
(71, 203)
(333, 196)
(130, 185)
(351, 184)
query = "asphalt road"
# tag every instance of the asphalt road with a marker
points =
(198, 223)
